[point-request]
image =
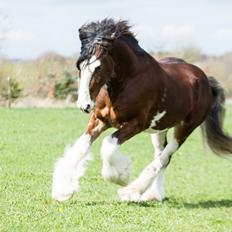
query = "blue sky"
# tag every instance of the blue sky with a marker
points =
(34, 27)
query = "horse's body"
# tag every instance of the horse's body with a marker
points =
(190, 89)
(134, 93)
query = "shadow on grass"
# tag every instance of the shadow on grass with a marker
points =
(223, 203)
(117, 203)
(169, 202)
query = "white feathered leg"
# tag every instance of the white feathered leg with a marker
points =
(116, 167)
(133, 191)
(69, 169)
(156, 190)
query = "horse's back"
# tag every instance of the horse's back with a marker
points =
(188, 84)
(168, 60)
(181, 71)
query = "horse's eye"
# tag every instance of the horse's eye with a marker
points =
(97, 69)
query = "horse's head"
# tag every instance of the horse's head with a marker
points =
(94, 73)
(95, 62)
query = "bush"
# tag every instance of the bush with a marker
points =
(11, 91)
(66, 88)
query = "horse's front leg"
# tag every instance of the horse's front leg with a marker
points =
(70, 167)
(116, 167)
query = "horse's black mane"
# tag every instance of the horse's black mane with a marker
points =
(104, 33)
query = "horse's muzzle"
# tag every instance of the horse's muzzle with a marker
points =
(87, 108)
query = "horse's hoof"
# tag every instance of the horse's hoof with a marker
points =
(151, 197)
(129, 194)
(62, 197)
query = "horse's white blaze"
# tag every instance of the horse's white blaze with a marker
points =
(87, 70)
(69, 169)
(116, 167)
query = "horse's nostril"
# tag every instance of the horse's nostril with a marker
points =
(86, 110)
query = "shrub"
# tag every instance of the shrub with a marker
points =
(11, 91)
(66, 88)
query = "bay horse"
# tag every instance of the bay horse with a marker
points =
(124, 87)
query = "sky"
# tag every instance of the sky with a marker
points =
(30, 28)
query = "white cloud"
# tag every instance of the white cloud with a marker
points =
(4, 26)
(180, 33)
(3, 4)
(167, 37)
(20, 35)
(223, 34)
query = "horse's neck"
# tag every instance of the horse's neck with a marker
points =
(128, 62)
(125, 60)
(127, 65)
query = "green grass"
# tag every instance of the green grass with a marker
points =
(198, 184)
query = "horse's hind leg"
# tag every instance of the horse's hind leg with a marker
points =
(70, 167)
(133, 191)
(156, 190)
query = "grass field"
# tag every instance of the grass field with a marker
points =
(198, 184)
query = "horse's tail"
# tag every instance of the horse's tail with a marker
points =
(212, 128)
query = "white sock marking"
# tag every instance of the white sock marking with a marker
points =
(156, 190)
(144, 181)
(158, 140)
(168, 150)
